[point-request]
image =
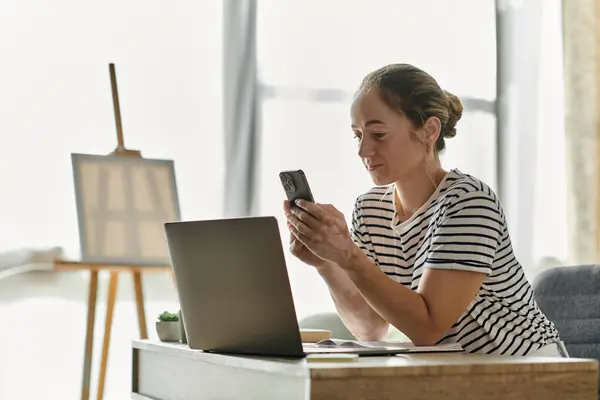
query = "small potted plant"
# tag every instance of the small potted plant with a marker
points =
(168, 327)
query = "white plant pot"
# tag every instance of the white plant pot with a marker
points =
(168, 331)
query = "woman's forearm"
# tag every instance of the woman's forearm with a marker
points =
(403, 308)
(358, 316)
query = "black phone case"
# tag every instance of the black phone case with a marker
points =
(296, 186)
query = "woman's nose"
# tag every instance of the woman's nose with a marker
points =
(365, 149)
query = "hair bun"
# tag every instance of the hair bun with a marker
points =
(455, 110)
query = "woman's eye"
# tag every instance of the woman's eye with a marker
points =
(379, 135)
(356, 136)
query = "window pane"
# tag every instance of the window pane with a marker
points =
(473, 149)
(316, 138)
(333, 43)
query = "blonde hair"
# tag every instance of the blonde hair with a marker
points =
(414, 94)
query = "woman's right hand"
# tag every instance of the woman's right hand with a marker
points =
(300, 251)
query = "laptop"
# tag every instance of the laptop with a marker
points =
(234, 290)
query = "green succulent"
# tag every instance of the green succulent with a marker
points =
(168, 317)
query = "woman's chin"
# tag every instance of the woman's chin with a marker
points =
(380, 180)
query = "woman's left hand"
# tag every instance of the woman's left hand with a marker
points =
(323, 230)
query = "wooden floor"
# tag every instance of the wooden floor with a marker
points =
(43, 328)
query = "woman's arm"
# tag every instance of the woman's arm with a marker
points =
(424, 315)
(358, 316)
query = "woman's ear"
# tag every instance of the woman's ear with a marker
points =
(432, 129)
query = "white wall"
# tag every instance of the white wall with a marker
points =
(55, 99)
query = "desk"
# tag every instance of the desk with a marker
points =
(164, 371)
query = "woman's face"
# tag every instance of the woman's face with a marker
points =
(388, 145)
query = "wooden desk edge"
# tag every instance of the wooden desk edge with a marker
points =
(283, 366)
(546, 365)
(424, 364)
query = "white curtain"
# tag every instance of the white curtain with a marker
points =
(241, 106)
(531, 136)
(55, 99)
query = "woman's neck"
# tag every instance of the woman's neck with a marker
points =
(414, 189)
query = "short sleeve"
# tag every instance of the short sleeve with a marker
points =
(468, 235)
(360, 234)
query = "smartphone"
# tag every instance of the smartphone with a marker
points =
(296, 186)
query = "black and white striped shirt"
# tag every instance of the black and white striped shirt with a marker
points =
(462, 227)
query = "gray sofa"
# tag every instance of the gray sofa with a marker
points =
(570, 298)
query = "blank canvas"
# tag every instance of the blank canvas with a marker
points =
(122, 205)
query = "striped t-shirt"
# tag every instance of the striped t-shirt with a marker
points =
(462, 227)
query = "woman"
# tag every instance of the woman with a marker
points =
(429, 250)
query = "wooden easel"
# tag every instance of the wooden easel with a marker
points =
(120, 149)
(114, 270)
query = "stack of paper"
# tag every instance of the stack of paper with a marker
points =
(407, 346)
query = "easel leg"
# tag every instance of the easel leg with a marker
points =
(110, 306)
(139, 301)
(89, 335)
